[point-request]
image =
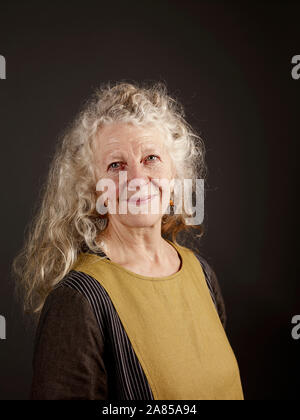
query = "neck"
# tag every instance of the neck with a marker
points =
(134, 244)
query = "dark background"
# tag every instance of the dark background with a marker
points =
(230, 66)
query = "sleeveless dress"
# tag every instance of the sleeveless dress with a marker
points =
(173, 327)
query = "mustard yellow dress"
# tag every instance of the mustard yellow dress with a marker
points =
(174, 328)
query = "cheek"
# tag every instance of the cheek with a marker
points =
(163, 172)
(163, 179)
(114, 192)
(117, 191)
(108, 193)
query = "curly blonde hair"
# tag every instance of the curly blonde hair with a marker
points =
(66, 219)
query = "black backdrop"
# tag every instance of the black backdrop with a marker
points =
(230, 65)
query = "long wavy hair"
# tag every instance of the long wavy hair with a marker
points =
(66, 219)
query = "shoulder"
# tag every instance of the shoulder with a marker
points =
(82, 291)
(84, 284)
(64, 306)
(78, 299)
(67, 318)
(63, 299)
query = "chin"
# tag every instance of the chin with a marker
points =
(142, 220)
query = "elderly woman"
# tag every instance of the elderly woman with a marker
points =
(123, 312)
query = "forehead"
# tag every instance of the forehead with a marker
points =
(125, 136)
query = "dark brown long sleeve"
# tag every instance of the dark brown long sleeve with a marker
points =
(67, 362)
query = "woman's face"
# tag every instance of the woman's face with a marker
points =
(142, 154)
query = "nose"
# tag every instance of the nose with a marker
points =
(136, 170)
(137, 174)
(137, 177)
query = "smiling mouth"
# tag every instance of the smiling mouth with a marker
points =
(140, 201)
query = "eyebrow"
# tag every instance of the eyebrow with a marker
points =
(119, 154)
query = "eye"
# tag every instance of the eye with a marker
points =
(114, 163)
(153, 156)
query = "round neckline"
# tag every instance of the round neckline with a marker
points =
(151, 278)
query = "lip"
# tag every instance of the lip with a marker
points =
(143, 200)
